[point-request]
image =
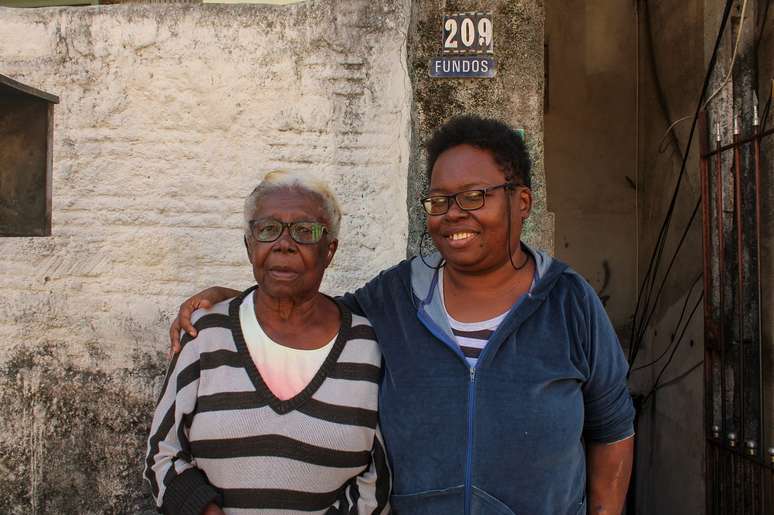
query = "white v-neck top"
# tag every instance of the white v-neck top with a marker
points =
(286, 371)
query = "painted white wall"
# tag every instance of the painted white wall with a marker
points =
(169, 116)
(275, 2)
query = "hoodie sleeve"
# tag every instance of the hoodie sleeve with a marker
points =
(609, 412)
(352, 300)
(368, 299)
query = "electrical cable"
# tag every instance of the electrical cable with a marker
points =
(679, 377)
(762, 28)
(733, 58)
(638, 330)
(653, 265)
(642, 326)
(645, 320)
(765, 115)
(674, 351)
(661, 146)
(680, 340)
(657, 86)
(671, 264)
(675, 330)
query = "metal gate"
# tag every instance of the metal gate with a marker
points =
(739, 461)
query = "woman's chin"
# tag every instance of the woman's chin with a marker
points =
(279, 289)
(471, 261)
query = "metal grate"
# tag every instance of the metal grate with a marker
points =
(739, 464)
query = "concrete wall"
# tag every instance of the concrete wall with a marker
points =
(515, 95)
(671, 438)
(169, 115)
(590, 146)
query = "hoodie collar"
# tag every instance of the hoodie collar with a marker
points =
(424, 278)
(424, 283)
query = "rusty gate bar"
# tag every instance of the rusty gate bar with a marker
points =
(721, 289)
(730, 146)
(739, 469)
(767, 501)
(709, 331)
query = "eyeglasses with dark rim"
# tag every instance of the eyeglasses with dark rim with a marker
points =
(303, 232)
(468, 200)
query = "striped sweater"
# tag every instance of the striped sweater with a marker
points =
(220, 435)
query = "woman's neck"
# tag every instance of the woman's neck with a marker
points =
(307, 322)
(475, 296)
(495, 278)
(287, 309)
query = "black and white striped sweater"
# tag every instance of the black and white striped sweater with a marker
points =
(220, 435)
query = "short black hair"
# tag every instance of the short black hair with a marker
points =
(506, 145)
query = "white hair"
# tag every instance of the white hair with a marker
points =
(277, 180)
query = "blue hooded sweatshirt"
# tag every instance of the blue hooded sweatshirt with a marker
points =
(506, 436)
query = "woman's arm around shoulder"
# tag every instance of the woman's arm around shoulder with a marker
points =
(205, 299)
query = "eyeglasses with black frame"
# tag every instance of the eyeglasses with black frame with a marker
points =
(468, 200)
(303, 232)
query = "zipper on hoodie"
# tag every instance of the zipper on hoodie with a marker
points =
(472, 374)
(469, 450)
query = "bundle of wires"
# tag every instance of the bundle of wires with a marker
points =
(646, 302)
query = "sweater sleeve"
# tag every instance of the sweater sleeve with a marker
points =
(609, 412)
(178, 487)
(369, 494)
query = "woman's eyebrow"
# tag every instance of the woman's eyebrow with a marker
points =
(464, 187)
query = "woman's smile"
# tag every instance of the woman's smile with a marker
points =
(459, 240)
(457, 236)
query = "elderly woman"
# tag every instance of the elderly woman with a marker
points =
(273, 405)
(504, 386)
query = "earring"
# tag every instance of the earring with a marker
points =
(422, 257)
(508, 242)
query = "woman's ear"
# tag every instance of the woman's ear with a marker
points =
(331, 251)
(524, 195)
(247, 247)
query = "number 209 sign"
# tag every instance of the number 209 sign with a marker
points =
(467, 33)
(467, 46)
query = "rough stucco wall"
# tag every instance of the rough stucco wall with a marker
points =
(515, 95)
(169, 115)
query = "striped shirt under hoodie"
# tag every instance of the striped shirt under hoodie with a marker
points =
(220, 435)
